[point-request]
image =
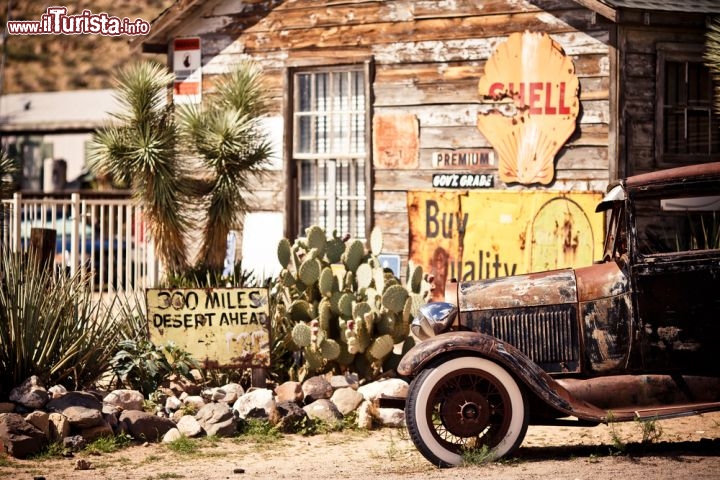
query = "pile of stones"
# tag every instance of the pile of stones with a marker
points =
(36, 416)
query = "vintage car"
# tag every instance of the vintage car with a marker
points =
(634, 336)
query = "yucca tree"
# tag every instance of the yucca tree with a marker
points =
(140, 150)
(225, 133)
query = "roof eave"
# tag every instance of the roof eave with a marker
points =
(163, 25)
(601, 8)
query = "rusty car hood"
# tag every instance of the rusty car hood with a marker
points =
(534, 289)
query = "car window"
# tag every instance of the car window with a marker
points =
(678, 223)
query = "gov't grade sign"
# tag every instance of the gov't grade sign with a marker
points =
(220, 327)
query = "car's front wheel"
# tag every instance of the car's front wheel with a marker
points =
(462, 404)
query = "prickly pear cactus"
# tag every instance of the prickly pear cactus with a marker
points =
(348, 312)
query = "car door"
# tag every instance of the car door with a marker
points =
(676, 277)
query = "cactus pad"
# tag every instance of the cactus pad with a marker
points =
(381, 347)
(330, 349)
(284, 253)
(364, 275)
(376, 241)
(353, 255)
(327, 282)
(301, 334)
(394, 298)
(309, 271)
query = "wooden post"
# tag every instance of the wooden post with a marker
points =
(42, 248)
(258, 378)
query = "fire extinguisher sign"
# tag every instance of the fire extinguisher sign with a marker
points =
(187, 67)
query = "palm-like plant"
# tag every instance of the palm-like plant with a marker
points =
(140, 150)
(226, 134)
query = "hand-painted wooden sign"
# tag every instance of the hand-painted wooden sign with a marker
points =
(462, 180)
(218, 326)
(529, 96)
(475, 159)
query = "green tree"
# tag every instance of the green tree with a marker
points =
(225, 133)
(140, 150)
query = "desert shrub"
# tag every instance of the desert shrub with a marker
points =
(51, 327)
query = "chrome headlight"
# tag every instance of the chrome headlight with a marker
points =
(433, 319)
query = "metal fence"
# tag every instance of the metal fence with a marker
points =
(105, 236)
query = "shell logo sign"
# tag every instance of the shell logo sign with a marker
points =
(529, 96)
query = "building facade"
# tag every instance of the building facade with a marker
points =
(478, 135)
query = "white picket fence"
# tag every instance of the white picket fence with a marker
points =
(104, 236)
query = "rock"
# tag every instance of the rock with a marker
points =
(323, 410)
(110, 414)
(82, 417)
(59, 426)
(390, 417)
(145, 426)
(365, 415)
(291, 417)
(7, 407)
(217, 419)
(258, 403)
(289, 392)
(74, 399)
(344, 381)
(19, 438)
(125, 399)
(57, 391)
(391, 387)
(179, 384)
(189, 426)
(346, 399)
(172, 435)
(40, 420)
(172, 404)
(82, 464)
(315, 388)
(228, 393)
(93, 433)
(30, 394)
(195, 401)
(74, 443)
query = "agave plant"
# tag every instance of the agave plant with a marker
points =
(225, 133)
(50, 327)
(140, 150)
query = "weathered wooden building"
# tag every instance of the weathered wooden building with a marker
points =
(455, 125)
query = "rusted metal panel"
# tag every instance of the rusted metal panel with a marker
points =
(218, 326)
(534, 289)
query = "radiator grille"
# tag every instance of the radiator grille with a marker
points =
(548, 336)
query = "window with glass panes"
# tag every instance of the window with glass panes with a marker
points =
(688, 129)
(330, 129)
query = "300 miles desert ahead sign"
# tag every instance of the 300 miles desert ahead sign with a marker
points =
(218, 326)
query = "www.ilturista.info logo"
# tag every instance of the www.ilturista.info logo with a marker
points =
(56, 21)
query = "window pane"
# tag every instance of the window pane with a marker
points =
(678, 224)
(331, 135)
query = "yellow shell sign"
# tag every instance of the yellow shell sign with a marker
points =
(529, 96)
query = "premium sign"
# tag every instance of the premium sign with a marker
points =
(464, 159)
(219, 326)
(187, 87)
(530, 106)
(487, 234)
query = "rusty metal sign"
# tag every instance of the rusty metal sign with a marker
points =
(396, 141)
(218, 326)
(529, 106)
(475, 235)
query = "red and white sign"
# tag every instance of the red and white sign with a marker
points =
(188, 71)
